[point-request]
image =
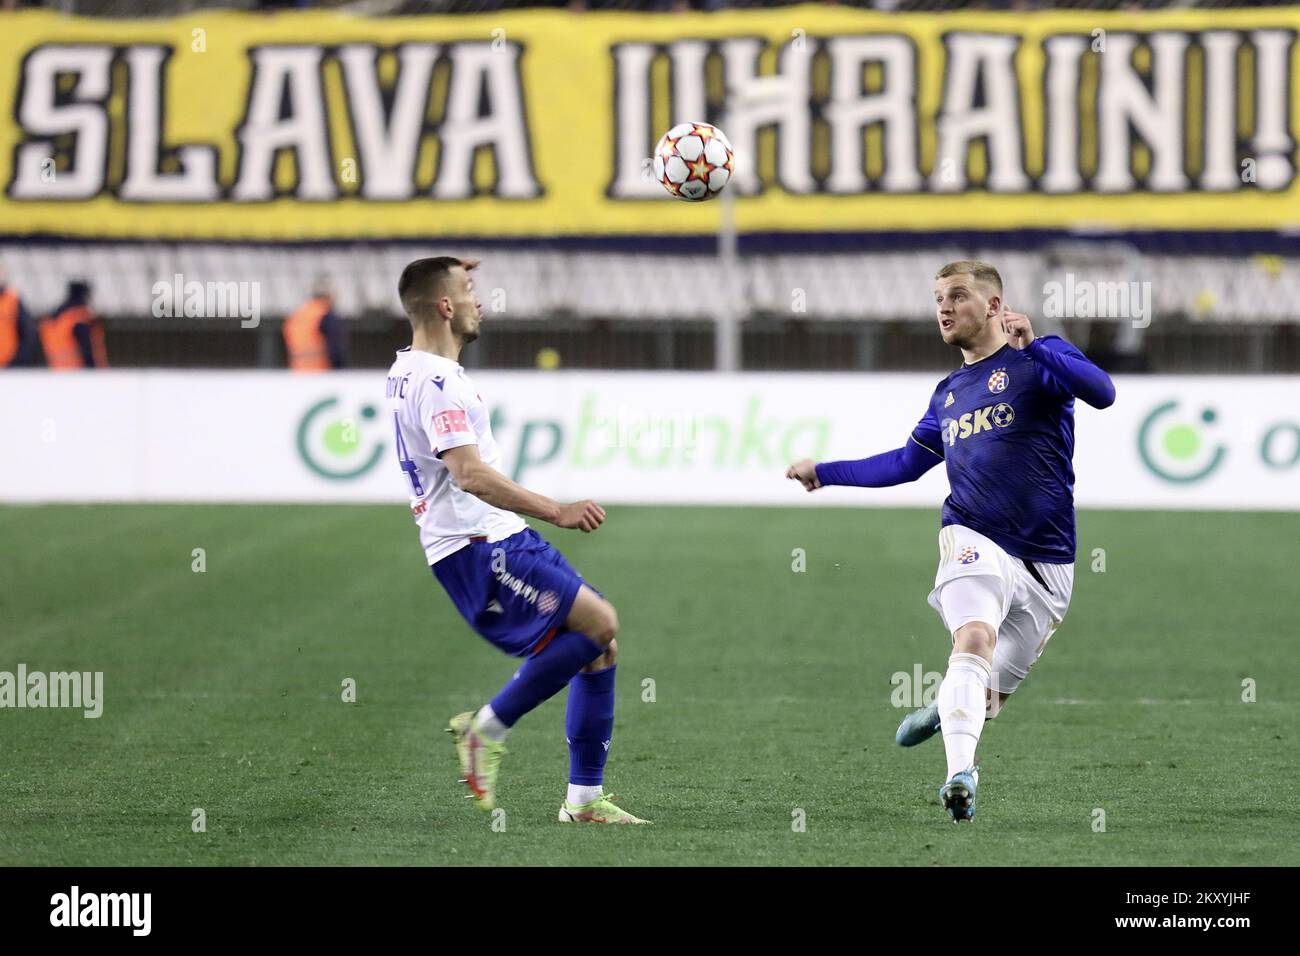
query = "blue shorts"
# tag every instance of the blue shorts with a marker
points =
(512, 592)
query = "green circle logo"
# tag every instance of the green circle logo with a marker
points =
(1181, 442)
(1174, 447)
(333, 444)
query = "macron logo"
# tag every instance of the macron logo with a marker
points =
(102, 909)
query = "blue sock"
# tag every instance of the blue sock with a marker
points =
(589, 725)
(542, 675)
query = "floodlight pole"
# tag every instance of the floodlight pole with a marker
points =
(727, 327)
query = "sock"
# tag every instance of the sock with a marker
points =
(487, 723)
(578, 795)
(589, 727)
(993, 706)
(542, 675)
(961, 708)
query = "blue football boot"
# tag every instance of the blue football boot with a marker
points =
(958, 795)
(918, 726)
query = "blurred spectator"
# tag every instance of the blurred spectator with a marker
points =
(314, 336)
(72, 335)
(17, 330)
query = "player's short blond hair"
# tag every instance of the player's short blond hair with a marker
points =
(981, 271)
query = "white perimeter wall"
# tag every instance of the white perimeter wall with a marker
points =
(1208, 442)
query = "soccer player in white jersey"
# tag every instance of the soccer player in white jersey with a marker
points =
(509, 584)
(1003, 424)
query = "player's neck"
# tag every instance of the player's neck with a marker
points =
(986, 346)
(424, 339)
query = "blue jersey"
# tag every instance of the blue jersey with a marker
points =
(1004, 427)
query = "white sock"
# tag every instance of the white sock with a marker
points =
(579, 795)
(487, 724)
(961, 708)
(993, 706)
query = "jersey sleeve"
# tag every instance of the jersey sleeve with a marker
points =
(1068, 373)
(927, 432)
(444, 414)
(879, 471)
(921, 452)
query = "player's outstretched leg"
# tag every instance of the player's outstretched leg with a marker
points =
(589, 726)
(920, 725)
(480, 741)
(962, 701)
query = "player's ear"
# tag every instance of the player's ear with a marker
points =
(994, 306)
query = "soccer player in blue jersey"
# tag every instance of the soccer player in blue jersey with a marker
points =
(1003, 424)
(509, 584)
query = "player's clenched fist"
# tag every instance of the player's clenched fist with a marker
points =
(583, 515)
(1019, 332)
(805, 472)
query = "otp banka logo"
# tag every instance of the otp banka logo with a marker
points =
(1177, 446)
(972, 423)
(337, 443)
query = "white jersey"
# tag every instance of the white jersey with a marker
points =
(435, 409)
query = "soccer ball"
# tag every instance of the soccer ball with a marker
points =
(693, 161)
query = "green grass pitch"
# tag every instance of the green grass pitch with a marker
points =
(772, 695)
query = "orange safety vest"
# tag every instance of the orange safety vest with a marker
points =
(8, 326)
(60, 342)
(305, 342)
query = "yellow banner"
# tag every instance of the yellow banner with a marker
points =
(318, 125)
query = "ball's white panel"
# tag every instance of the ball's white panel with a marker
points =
(695, 189)
(675, 170)
(690, 148)
(659, 168)
(718, 178)
(680, 130)
(715, 152)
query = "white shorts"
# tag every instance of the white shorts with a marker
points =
(978, 581)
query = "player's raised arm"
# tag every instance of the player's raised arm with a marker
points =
(479, 479)
(922, 451)
(895, 467)
(1073, 370)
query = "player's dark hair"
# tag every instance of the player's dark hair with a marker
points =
(980, 270)
(423, 281)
